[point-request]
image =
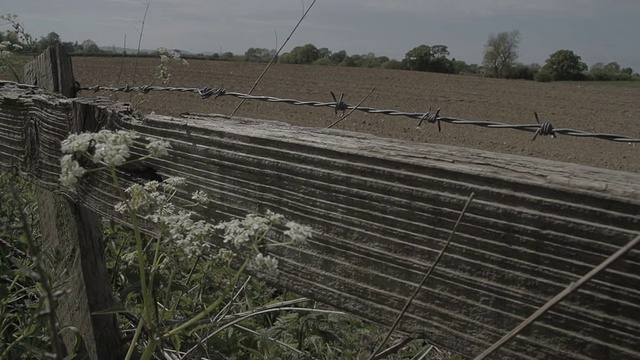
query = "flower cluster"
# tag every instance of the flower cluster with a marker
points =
(173, 56)
(153, 201)
(250, 229)
(7, 48)
(253, 230)
(265, 263)
(104, 148)
(166, 56)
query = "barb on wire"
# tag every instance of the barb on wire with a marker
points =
(545, 128)
(344, 116)
(539, 128)
(431, 118)
(340, 104)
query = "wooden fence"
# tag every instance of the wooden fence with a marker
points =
(381, 210)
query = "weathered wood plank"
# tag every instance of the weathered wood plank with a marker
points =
(73, 230)
(382, 209)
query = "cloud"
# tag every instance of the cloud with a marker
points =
(456, 9)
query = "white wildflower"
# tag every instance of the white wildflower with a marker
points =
(111, 148)
(121, 208)
(150, 186)
(234, 232)
(130, 258)
(298, 233)
(256, 224)
(200, 197)
(265, 264)
(77, 143)
(139, 201)
(173, 182)
(224, 255)
(71, 171)
(110, 154)
(16, 47)
(188, 235)
(274, 218)
(157, 147)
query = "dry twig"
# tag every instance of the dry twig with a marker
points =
(273, 59)
(556, 299)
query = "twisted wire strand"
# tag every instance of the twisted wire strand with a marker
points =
(541, 129)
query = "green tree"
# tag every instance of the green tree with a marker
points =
(52, 39)
(302, 55)
(565, 65)
(257, 54)
(68, 45)
(419, 58)
(227, 56)
(501, 52)
(522, 71)
(338, 57)
(324, 53)
(440, 63)
(429, 58)
(348, 61)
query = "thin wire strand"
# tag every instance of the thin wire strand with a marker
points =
(217, 92)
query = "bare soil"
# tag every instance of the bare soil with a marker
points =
(579, 106)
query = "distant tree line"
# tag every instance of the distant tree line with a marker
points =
(499, 60)
(501, 54)
(88, 46)
(421, 58)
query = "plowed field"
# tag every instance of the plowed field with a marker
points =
(585, 107)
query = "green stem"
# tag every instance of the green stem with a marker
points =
(152, 276)
(5, 353)
(134, 340)
(211, 307)
(147, 299)
(148, 352)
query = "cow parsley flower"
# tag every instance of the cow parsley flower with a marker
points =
(112, 148)
(173, 182)
(71, 171)
(274, 218)
(188, 235)
(265, 264)
(157, 147)
(298, 233)
(77, 143)
(234, 232)
(200, 197)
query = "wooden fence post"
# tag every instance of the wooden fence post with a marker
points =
(75, 231)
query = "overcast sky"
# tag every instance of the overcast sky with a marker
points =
(597, 30)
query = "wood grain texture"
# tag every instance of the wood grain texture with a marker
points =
(381, 210)
(73, 230)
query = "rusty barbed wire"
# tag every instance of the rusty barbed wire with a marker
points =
(538, 128)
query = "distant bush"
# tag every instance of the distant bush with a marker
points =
(394, 64)
(323, 62)
(543, 76)
(521, 71)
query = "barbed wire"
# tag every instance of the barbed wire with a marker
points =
(539, 128)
